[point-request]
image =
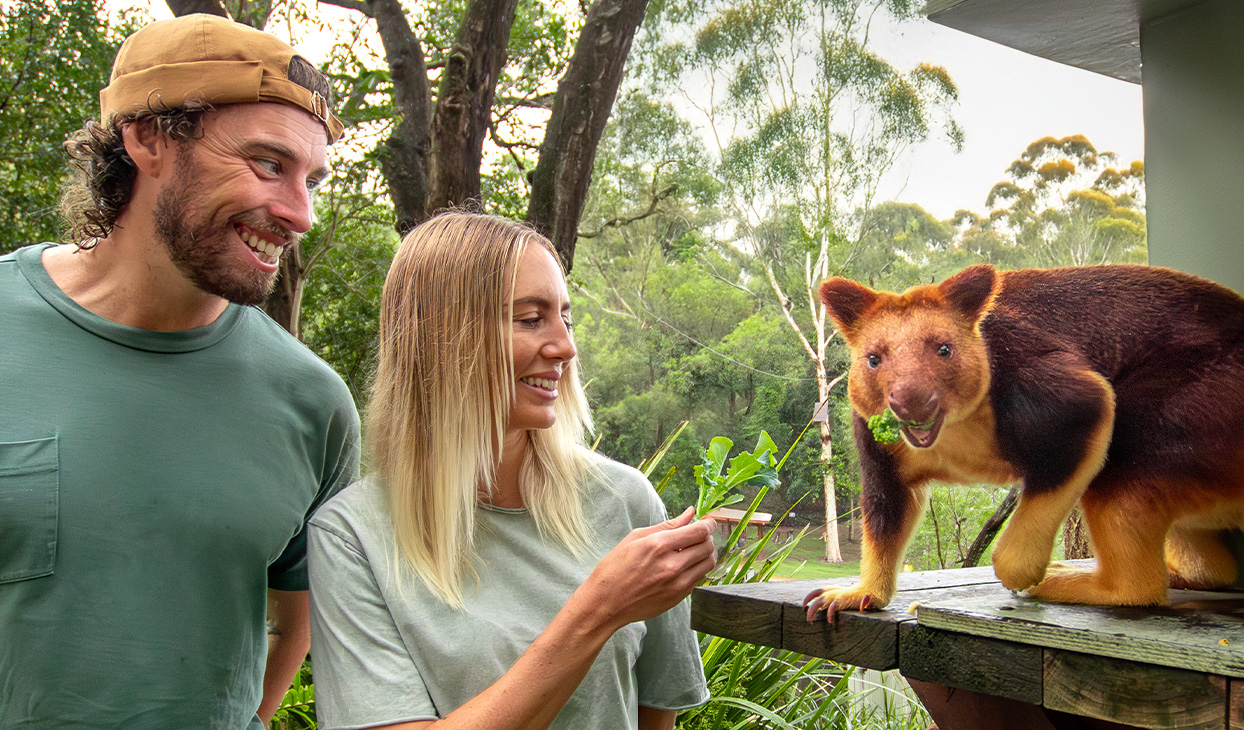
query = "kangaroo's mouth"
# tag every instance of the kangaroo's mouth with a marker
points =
(922, 435)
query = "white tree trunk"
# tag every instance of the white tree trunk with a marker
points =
(833, 551)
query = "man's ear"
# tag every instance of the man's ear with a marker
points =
(150, 151)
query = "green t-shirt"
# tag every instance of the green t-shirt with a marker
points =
(152, 487)
(386, 651)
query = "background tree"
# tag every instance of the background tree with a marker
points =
(1065, 204)
(664, 336)
(432, 156)
(806, 118)
(54, 58)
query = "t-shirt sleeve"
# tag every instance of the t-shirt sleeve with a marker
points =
(341, 467)
(669, 672)
(364, 675)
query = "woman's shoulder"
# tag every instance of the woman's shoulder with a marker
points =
(354, 511)
(610, 480)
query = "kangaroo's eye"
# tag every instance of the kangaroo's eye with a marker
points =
(874, 361)
(943, 351)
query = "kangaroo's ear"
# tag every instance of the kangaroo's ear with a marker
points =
(846, 301)
(970, 291)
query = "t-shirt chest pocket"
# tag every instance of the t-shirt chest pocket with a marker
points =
(29, 491)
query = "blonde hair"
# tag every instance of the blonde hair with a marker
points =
(441, 397)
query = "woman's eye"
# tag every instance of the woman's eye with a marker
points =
(874, 361)
(569, 323)
(529, 322)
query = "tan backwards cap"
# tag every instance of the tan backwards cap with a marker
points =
(216, 61)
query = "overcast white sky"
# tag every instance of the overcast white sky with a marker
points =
(1007, 99)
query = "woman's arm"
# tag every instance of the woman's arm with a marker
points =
(651, 718)
(650, 571)
(287, 648)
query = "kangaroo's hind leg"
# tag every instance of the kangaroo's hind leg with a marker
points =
(1199, 558)
(1128, 528)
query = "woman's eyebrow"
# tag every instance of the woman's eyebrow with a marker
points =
(540, 301)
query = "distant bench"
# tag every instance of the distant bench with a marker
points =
(982, 658)
(727, 517)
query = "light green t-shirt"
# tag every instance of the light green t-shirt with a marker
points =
(152, 487)
(384, 653)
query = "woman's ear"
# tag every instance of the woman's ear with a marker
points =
(150, 151)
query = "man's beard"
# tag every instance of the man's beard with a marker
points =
(204, 251)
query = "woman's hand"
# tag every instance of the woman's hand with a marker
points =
(650, 571)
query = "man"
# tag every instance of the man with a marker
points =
(162, 442)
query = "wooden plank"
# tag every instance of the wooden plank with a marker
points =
(990, 666)
(1235, 704)
(741, 613)
(772, 614)
(866, 638)
(1134, 694)
(792, 592)
(1202, 632)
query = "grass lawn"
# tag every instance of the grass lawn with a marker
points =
(808, 560)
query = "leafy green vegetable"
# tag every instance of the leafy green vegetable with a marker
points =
(717, 489)
(885, 427)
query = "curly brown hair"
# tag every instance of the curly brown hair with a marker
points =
(101, 172)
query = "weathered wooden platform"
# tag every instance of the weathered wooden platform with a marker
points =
(1180, 666)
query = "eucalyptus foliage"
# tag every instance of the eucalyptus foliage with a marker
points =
(1063, 203)
(54, 59)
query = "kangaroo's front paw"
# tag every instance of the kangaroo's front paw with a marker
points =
(1019, 566)
(831, 600)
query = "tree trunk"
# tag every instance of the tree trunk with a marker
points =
(581, 107)
(251, 12)
(404, 160)
(1076, 543)
(283, 305)
(186, 7)
(464, 104)
(990, 529)
(833, 550)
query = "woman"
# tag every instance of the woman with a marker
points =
(493, 572)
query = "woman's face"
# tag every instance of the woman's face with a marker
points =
(542, 343)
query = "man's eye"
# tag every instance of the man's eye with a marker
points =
(272, 167)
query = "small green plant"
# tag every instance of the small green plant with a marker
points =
(755, 467)
(755, 686)
(297, 710)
